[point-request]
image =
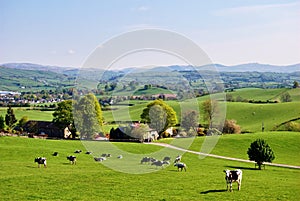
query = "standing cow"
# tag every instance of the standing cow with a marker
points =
(41, 161)
(72, 159)
(233, 176)
(180, 166)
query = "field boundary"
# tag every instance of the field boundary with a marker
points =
(221, 157)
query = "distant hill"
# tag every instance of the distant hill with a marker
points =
(249, 67)
(14, 76)
(24, 79)
(31, 66)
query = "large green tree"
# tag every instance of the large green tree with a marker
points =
(211, 111)
(190, 120)
(63, 116)
(88, 116)
(10, 118)
(286, 97)
(159, 115)
(260, 152)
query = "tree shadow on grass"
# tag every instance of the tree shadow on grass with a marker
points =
(241, 168)
(213, 191)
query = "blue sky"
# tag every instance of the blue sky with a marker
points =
(65, 32)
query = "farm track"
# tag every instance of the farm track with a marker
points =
(221, 157)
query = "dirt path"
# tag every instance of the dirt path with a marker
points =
(222, 157)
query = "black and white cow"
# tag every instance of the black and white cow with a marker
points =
(167, 158)
(72, 159)
(41, 161)
(145, 160)
(99, 159)
(233, 176)
(177, 159)
(180, 166)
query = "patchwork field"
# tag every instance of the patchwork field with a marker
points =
(21, 179)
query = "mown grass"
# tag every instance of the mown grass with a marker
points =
(89, 180)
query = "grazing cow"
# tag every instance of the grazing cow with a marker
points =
(158, 163)
(145, 160)
(88, 152)
(180, 166)
(100, 159)
(106, 155)
(177, 159)
(72, 159)
(77, 151)
(167, 158)
(41, 161)
(166, 162)
(120, 157)
(233, 176)
(55, 154)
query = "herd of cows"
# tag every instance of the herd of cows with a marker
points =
(231, 176)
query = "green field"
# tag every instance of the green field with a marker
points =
(284, 144)
(31, 114)
(258, 94)
(249, 116)
(88, 180)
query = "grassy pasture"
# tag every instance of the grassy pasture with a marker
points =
(249, 116)
(32, 114)
(204, 180)
(258, 93)
(284, 144)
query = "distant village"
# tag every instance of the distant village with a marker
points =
(26, 99)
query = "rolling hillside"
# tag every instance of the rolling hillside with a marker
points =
(90, 180)
(20, 80)
(248, 115)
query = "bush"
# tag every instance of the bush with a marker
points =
(182, 134)
(293, 126)
(192, 133)
(231, 127)
(200, 131)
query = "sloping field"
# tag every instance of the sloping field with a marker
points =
(31, 114)
(284, 144)
(258, 94)
(89, 180)
(251, 117)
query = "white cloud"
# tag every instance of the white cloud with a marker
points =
(71, 51)
(141, 8)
